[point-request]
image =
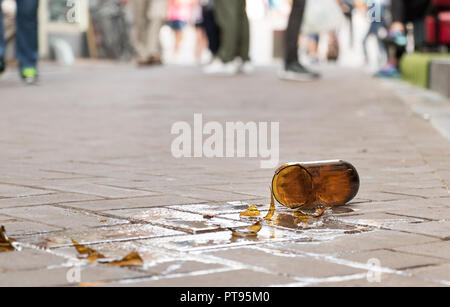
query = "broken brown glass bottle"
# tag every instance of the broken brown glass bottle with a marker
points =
(313, 184)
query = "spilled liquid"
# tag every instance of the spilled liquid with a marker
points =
(6, 243)
(271, 209)
(305, 219)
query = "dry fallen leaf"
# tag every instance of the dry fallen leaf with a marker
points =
(5, 242)
(208, 216)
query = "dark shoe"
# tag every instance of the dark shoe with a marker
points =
(2, 66)
(29, 75)
(297, 72)
(153, 60)
(389, 71)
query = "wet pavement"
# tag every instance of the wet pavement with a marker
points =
(85, 157)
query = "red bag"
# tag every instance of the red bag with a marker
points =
(441, 3)
(444, 28)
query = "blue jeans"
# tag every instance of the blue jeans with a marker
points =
(26, 34)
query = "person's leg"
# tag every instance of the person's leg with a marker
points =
(178, 37)
(27, 35)
(2, 43)
(293, 31)
(244, 33)
(293, 70)
(2, 36)
(140, 30)
(227, 19)
(398, 11)
(365, 40)
(212, 30)
(154, 25)
(201, 42)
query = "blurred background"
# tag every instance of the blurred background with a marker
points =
(103, 29)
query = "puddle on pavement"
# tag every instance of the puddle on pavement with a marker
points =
(103, 234)
(203, 226)
(216, 209)
(183, 221)
(6, 243)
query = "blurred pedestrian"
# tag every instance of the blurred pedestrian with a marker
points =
(149, 17)
(179, 14)
(377, 29)
(210, 25)
(293, 70)
(231, 16)
(403, 11)
(26, 40)
(201, 40)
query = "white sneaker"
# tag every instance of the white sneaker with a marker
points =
(217, 67)
(247, 68)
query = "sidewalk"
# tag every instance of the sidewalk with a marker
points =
(86, 156)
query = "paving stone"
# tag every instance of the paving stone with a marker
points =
(209, 195)
(220, 208)
(188, 222)
(19, 227)
(378, 219)
(234, 278)
(360, 242)
(100, 190)
(439, 273)
(386, 280)
(58, 277)
(439, 249)
(48, 199)
(438, 229)
(28, 259)
(60, 217)
(222, 239)
(392, 259)
(18, 191)
(86, 163)
(292, 265)
(133, 203)
(119, 233)
(437, 213)
(182, 267)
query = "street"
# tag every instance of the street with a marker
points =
(86, 156)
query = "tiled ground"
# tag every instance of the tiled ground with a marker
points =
(86, 156)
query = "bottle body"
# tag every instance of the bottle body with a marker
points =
(310, 184)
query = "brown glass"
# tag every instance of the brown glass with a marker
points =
(311, 184)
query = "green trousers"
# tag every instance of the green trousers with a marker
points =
(232, 20)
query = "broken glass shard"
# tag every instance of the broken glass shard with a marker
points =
(250, 231)
(252, 211)
(6, 243)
